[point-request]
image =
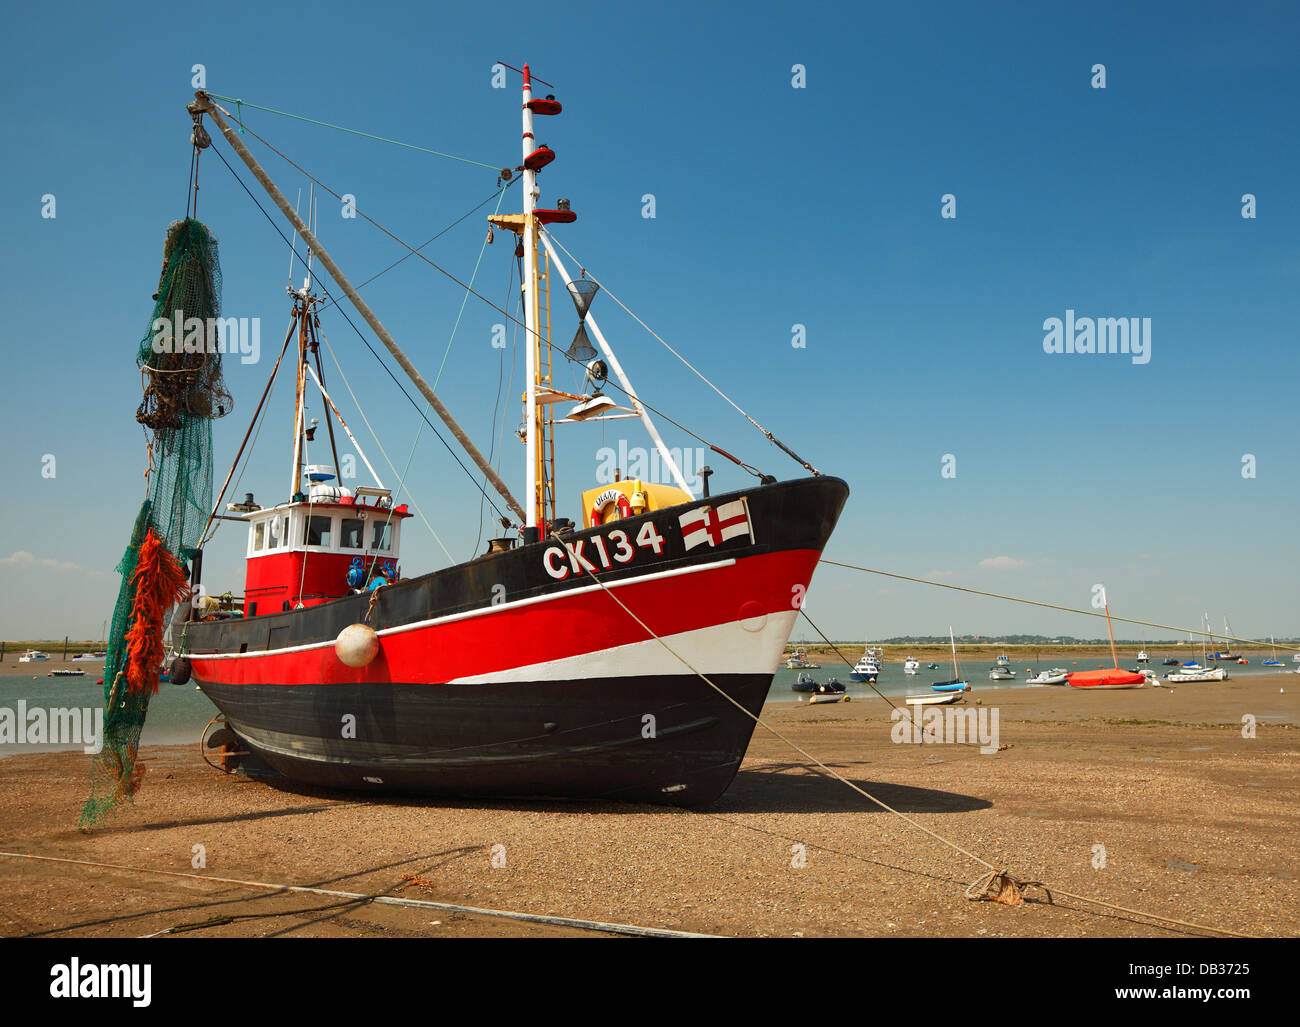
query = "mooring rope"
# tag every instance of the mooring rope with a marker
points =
(992, 872)
(1049, 606)
(388, 900)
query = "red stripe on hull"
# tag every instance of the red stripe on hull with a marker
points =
(566, 626)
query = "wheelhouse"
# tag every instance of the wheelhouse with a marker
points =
(304, 553)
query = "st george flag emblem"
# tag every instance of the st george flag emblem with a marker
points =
(715, 525)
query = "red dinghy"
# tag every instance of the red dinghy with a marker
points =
(1108, 677)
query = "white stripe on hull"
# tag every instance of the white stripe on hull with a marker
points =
(721, 649)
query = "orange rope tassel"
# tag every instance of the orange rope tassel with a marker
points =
(159, 585)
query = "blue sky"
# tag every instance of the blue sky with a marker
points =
(775, 206)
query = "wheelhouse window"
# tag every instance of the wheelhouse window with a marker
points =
(353, 533)
(319, 531)
(259, 537)
(273, 534)
(383, 536)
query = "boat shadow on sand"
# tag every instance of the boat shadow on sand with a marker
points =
(771, 788)
(796, 788)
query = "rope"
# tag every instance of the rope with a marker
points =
(867, 795)
(401, 481)
(1049, 606)
(770, 437)
(843, 657)
(341, 128)
(389, 900)
(506, 314)
(382, 452)
(366, 343)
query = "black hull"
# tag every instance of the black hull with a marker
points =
(570, 739)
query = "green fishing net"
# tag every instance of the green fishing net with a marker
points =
(184, 392)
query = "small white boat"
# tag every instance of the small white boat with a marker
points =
(934, 699)
(911, 666)
(1142, 656)
(1055, 676)
(1212, 674)
(88, 658)
(66, 674)
(799, 661)
(1004, 660)
(33, 656)
(1001, 673)
(824, 697)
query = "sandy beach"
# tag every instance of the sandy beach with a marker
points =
(1197, 823)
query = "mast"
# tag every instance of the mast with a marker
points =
(532, 413)
(955, 672)
(205, 104)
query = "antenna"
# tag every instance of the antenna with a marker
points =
(311, 217)
(293, 242)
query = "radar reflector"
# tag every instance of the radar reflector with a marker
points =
(583, 291)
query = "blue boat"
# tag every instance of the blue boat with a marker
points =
(950, 686)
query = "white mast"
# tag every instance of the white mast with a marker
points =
(617, 368)
(531, 502)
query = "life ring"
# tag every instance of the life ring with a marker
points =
(610, 496)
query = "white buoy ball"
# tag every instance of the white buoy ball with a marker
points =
(357, 645)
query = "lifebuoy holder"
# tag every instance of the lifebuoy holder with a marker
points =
(605, 499)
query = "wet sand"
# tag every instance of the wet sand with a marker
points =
(1197, 822)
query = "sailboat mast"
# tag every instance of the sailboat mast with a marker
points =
(532, 413)
(955, 672)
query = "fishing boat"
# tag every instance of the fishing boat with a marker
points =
(867, 669)
(1055, 676)
(33, 656)
(66, 674)
(798, 660)
(1274, 662)
(533, 669)
(1204, 674)
(1107, 677)
(1142, 656)
(911, 666)
(1001, 673)
(1004, 660)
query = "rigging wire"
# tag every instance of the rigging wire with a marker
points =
(401, 481)
(341, 128)
(342, 310)
(443, 271)
(770, 437)
(1034, 602)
